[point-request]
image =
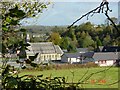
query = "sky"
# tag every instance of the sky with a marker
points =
(61, 13)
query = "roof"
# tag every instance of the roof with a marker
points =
(44, 48)
(82, 49)
(88, 54)
(73, 55)
(105, 56)
(78, 55)
(111, 49)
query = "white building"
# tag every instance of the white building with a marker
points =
(105, 58)
(71, 58)
(47, 51)
(77, 57)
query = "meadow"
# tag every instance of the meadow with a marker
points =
(92, 77)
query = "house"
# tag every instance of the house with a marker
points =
(47, 51)
(77, 57)
(111, 49)
(105, 58)
(71, 58)
(108, 49)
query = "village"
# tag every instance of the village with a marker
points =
(47, 52)
(60, 45)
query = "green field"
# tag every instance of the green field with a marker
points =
(98, 80)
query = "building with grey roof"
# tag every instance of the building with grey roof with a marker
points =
(105, 58)
(77, 57)
(47, 51)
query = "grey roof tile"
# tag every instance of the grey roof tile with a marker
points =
(105, 56)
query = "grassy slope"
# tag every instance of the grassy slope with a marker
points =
(109, 76)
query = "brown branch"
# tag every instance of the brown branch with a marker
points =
(106, 14)
(99, 9)
(96, 10)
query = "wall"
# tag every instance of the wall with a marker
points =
(108, 63)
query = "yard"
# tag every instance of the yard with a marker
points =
(97, 80)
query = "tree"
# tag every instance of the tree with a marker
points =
(12, 14)
(14, 37)
(106, 40)
(55, 38)
(87, 41)
(65, 42)
(71, 48)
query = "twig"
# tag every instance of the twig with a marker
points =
(99, 9)
(92, 11)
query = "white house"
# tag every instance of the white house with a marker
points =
(105, 58)
(47, 51)
(77, 57)
(71, 58)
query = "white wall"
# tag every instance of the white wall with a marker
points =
(72, 60)
(108, 63)
(69, 60)
(50, 57)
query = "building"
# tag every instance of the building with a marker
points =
(77, 57)
(47, 51)
(105, 58)
(71, 58)
(111, 49)
(119, 12)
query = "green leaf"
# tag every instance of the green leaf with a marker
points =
(4, 28)
(23, 30)
(8, 19)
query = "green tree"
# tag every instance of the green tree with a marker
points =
(71, 48)
(106, 40)
(12, 14)
(98, 41)
(65, 42)
(87, 41)
(55, 38)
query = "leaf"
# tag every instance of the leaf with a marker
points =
(23, 30)
(4, 28)
(40, 75)
(8, 19)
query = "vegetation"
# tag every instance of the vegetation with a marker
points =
(81, 36)
(14, 39)
(75, 74)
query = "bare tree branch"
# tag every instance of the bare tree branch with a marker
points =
(102, 8)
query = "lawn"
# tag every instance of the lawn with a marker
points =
(98, 80)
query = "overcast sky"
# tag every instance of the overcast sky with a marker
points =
(64, 13)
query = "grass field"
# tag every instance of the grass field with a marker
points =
(98, 80)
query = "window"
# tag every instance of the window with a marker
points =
(102, 61)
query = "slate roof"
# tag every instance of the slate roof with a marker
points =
(82, 50)
(44, 48)
(73, 55)
(78, 55)
(105, 56)
(88, 54)
(111, 49)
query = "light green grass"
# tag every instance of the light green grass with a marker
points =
(108, 76)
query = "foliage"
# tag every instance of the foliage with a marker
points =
(55, 38)
(14, 37)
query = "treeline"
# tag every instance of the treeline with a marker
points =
(84, 35)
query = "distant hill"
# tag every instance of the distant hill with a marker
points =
(42, 29)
